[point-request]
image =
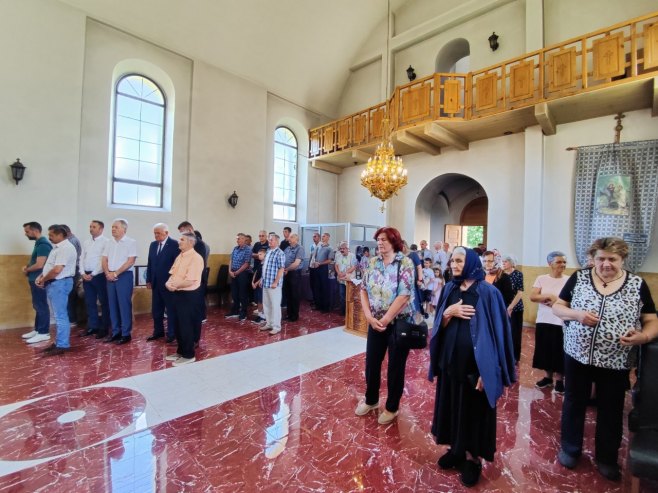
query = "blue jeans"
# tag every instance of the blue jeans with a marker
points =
(95, 291)
(40, 305)
(342, 290)
(58, 295)
(120, 297)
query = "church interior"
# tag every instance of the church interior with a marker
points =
(486, 102)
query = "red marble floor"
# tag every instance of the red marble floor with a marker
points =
(300, 435)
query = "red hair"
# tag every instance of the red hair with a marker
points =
(393, 236)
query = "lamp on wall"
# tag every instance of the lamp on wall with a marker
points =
(17, 171)
(411, 74)
(493, 41)
(233, 199)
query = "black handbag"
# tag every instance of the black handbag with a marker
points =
(409, 335)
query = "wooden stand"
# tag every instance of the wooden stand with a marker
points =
(355, 320)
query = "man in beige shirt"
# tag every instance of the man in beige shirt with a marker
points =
(184, 282)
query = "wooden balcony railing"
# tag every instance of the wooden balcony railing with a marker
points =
(614, 55)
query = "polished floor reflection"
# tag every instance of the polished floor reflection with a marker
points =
(257, 413)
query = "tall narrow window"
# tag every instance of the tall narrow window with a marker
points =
(138, 154)
(285, 175)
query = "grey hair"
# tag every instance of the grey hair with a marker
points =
(162, 226)
(343, 243)
(121, 221)
(190, 237)
(459, 250)
(511, 259)
(553, 255)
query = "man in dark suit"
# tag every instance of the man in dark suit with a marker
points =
(162, 253)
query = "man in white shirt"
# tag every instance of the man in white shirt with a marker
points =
(93, 281)
(57, 279)
(444, 256)
(118, 260)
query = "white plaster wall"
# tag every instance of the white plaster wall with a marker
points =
(107, 48)
(362, 89)
(415, 12)
(565, 19)
(40, 92)
(497, 164)
(559, 169)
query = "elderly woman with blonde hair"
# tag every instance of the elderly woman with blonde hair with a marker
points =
(607, 312)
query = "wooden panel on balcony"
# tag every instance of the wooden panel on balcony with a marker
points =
(451, 92)
(522, 81)
(486, 92)
(609, 59)
(376, 121)
(359, 128)
(415, 103)
(651, 46)
(314, 139)
(328, 139)
(562, 69)
(344, 133)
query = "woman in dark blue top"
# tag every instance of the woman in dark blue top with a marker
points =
(471, 353)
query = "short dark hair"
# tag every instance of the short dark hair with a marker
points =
(99, 222)
(58, 229)
(288, 229)
(33, 225)
(66, 228)
(185, 224)
(427, 260)
(393, 236)
(365, 249)
(413, 247)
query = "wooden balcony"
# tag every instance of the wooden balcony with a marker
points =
(602, 73)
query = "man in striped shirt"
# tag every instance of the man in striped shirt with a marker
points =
(273, 266)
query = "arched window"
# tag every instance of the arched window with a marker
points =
(138, 142)
(285, 175)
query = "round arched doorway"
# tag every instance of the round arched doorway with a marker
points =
(454, 208)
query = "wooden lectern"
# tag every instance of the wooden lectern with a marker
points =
(355, 320)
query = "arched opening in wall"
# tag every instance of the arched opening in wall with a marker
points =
(454, 57)
(453, 208)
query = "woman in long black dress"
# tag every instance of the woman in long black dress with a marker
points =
(472, 355)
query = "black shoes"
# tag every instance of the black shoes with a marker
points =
(53, 350)
(113, 338)
(153, 338)
(88, 332)
(567, 460)
(559, 387)
(124, 340)
(101, 335)
(470, 473)
(170, 339)
(544, 382)
(450, 460)
(609, 471)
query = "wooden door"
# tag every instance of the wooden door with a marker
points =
(453, 234)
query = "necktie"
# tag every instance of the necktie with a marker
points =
(159, 248)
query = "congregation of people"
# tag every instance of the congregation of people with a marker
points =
(587, 324)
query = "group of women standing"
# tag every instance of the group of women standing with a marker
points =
(476, 340)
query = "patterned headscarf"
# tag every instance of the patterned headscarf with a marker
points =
(472, 266)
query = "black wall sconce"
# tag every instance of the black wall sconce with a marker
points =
(411, 74)
(17, 171)
(493, 41)
(233, 199)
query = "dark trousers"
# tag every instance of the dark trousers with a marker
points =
(120, 298)
(342, 292)
(291, 285)
(611, 386)
(95, 292)
(161, 300)
(517, 329)
(187, 313)
(202, 295)
(313, 281)
(200, 312)
(41, 308)
(240, 294)
(322, 288)
(72, 305)
(376, 346)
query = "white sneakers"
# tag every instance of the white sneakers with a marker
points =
(29, 335)
(38, 338)
(387, 417)
(173, 357)
(183, 361)
(362, 409)
(265, 327)
(275, 331)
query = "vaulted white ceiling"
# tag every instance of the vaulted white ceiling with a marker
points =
(300, 50)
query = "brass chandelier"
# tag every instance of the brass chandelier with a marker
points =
(385, 174)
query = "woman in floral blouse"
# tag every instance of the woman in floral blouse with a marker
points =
(386, 292)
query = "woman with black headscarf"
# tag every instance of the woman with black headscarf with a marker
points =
(471, 353)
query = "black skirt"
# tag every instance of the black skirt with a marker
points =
(549, 348)
(463, 418)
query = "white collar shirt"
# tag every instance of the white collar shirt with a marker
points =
(92, 251)
(118, 252)
(64, 254)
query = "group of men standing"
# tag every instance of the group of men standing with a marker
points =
(175, 273)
